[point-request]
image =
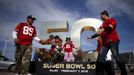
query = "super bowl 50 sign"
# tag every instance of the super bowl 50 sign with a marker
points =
(62, 29)
(73, 68)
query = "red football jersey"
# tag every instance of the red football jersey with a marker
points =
(112, 35)
(68, 47)
(49, 41)
(25, 33)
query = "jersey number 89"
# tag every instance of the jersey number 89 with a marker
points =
(27, 30)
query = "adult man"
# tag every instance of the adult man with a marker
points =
(110, 41)
(23, 36)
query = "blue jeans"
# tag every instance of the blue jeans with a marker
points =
(114, 47)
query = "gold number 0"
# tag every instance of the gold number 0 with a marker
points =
(83, 25)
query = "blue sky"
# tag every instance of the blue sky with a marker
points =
(15, 11)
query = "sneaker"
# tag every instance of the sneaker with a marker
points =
(28, 74)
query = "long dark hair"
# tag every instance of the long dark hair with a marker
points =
(104, 12)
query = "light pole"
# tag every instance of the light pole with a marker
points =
(4, 49)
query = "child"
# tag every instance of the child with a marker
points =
(50, 40)
(58, 43)
(56, 49)
(68, 49)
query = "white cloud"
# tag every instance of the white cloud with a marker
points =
(43, 9)
(115, 7)
(6, 31)
(88, 43)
